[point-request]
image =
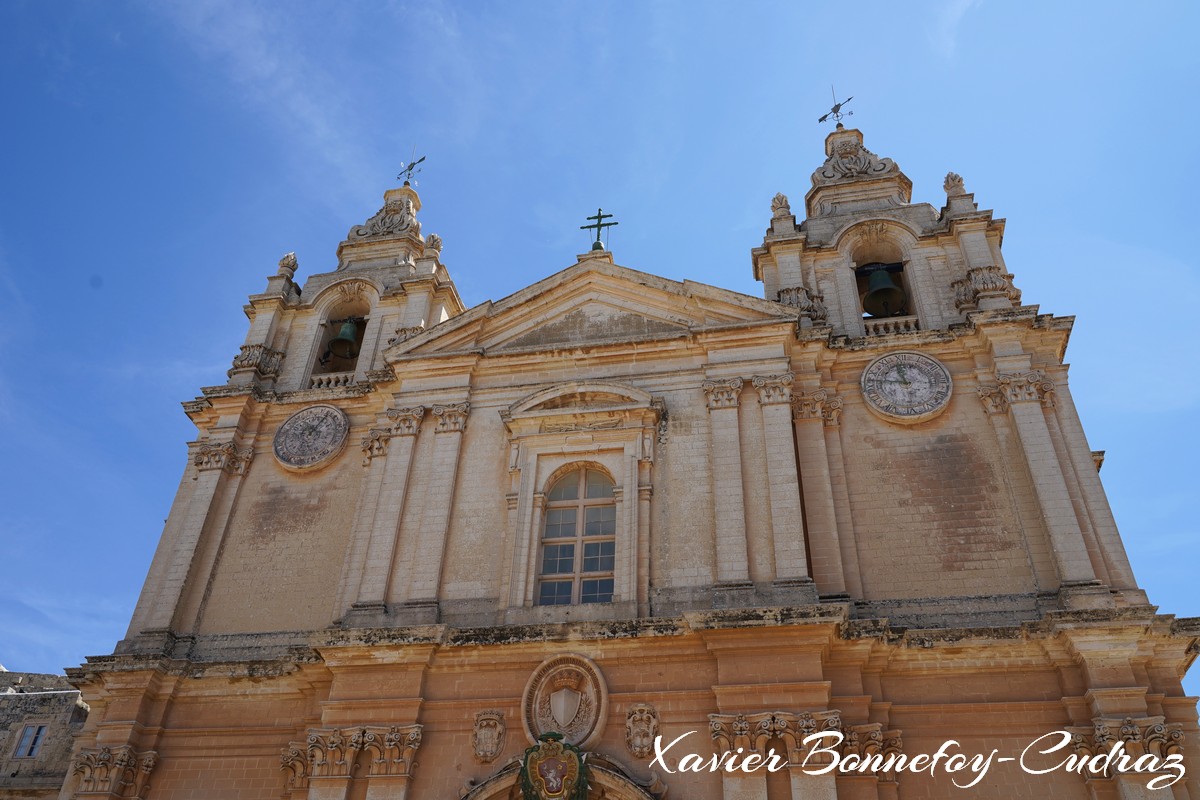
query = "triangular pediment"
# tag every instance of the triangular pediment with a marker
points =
(593, 302)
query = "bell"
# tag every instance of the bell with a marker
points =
(345, 344)
(883, 298)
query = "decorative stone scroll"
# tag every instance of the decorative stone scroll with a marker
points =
(488, 737)
(263, 360)
(817, 404)
(810, 304)
(722, 393)
(850, 160)
(641, 726)
(451, 418)
(331, 752)
(566, 694)
(396, 217)
(223, 456)
(983, 283)
(116, 771)
(780, 207)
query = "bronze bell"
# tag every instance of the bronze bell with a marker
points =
(345, 344)
(883, 298)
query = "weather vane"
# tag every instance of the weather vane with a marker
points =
(407, 171)
(836, 112)
(599, 225)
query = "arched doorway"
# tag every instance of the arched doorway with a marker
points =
(607, 782)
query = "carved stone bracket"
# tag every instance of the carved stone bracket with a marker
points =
(819, 404)
(404, 334)
(451, 418)
(810, 304)
(487, 739)
(263, 360)
(641, 726)
(224, 456)
(773, 389)
(331, 752)
(1139, 735)
(117, 771)
(723, 393)
(984, 282)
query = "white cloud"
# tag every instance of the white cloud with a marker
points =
(944, 36)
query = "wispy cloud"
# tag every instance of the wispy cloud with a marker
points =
(944, 35)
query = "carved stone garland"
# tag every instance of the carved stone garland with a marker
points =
(117, 771)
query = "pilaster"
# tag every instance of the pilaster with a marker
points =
(733, 563)
(811, 412)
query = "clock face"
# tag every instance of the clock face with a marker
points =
(906, 387)
(311, 437)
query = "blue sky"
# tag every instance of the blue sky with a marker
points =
(160, 157)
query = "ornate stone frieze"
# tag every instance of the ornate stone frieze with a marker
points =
(263, 360)
(287, 265)
(723, 393)
(451, 418)
(819, 404)
(224, 456)
(396, 217)
(434, 242)
(641, 726)
(773, 389)
(331, 751)
(954, 185)
(565, 694)
(984, 282)
(780, 207)
(810, 304)
(404, 334)
(488, 736)
(118, 771)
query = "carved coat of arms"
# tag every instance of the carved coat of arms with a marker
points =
(488, 737)
(553, 770)
(567, 695)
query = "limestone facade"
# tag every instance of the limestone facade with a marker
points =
(39, 717)
(410, 537)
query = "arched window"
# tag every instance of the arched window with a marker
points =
(578, 540)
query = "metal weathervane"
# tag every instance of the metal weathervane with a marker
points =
(599, 225)
(836, 112)
(407, 171)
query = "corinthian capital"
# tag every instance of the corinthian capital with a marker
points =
(406, 421)
(723, 394)
(1027, 387)
(819, 404)
(773, 389)
(224, 456)
(451, 418)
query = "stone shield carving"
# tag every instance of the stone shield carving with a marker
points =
(566, 694)
(488, 736)
(641, 726)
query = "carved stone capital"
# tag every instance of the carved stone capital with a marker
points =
(993, 400)
(224, 456)
(375, 444)
(1027, 387)
(116, 771)
(753, 732)
(984, 282)
(773, 389)
(451, 418)
(819, 404)
(294, 761)
(808, 303)
(1138, 735)
(641, 726)
(487, 739)
(392, 748)
(263, 360)
(722, 393)
(332, 751)
(406, 421)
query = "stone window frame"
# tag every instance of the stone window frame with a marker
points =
(580, 538)
(612, 427)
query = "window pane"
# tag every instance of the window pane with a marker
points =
(558, 559)
(598, 484)
(600, 521)
(560, 522)
(23, 743)
(599, 556)
(597, 590)
(567, 487)
(554, 593)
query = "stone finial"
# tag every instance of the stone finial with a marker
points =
(287, 265)
(780, 207)
(434, 242)
(954, 185)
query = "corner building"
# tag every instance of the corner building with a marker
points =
(412, 537)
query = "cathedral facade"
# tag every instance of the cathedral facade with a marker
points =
(617, 536)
